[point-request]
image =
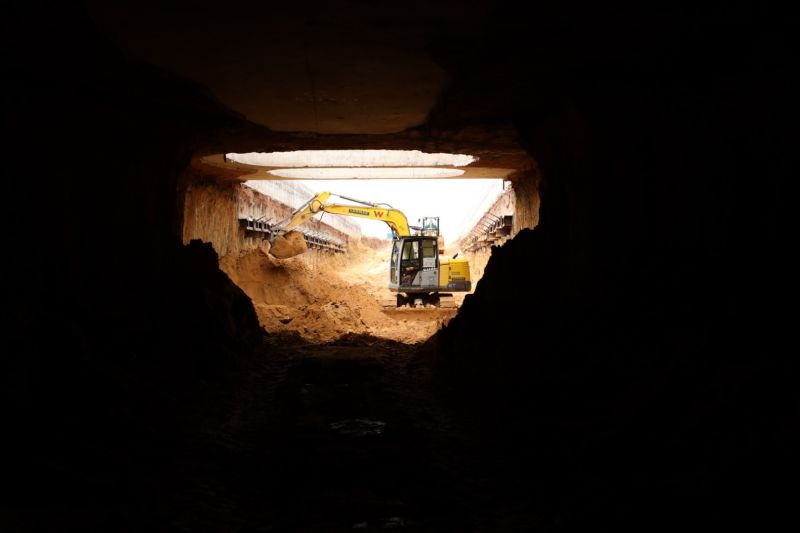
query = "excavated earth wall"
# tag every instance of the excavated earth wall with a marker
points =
(212, 210)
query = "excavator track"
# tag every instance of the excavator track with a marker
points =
(444, 301)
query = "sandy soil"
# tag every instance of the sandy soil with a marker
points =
(342, 296)
(289, 245)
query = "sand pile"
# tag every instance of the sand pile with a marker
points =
(289, 245)
(340, 296)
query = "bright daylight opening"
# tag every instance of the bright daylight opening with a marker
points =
(366, 173)
(404, 179)
(351, 158)
(390, 252)
(459, 203)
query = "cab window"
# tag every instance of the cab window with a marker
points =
(410, 250)
(393, 268)
(428, 248)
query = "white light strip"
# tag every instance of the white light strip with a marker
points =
(351, 158)
(365, 173)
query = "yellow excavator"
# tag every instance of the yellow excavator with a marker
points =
(417, 272)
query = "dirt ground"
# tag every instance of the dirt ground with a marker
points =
(343, 295)
(337, 437)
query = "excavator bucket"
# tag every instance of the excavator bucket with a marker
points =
(288, 245)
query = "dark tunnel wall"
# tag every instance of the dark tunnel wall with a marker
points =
(644, 370)
(118, 338)
(642, 363)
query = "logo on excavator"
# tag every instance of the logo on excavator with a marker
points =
(378, 214)
(359, 212)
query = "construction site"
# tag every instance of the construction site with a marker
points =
(337, 283)
(567, 315)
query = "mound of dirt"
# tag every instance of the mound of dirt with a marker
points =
(289, 245)
(340, 296)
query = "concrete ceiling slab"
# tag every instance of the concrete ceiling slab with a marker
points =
(219, 165)
(352, 67)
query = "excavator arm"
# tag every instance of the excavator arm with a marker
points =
(282, 232)
(395, 219)
(302, 214)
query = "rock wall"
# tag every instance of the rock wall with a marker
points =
(629, 345)
(210, 214)
(118, 337)
(526, 201)
(477, 246)
(212, 210)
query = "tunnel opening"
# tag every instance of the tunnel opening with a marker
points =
(359, 438)
(338, 284)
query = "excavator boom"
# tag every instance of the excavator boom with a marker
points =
(395, 219)
(286, 243)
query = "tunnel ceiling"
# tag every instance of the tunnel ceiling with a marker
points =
(325, 67)
(321, 75)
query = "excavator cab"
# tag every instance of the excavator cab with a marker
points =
(412, 258)
(419, 275)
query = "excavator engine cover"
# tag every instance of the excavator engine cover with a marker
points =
(288, 245)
